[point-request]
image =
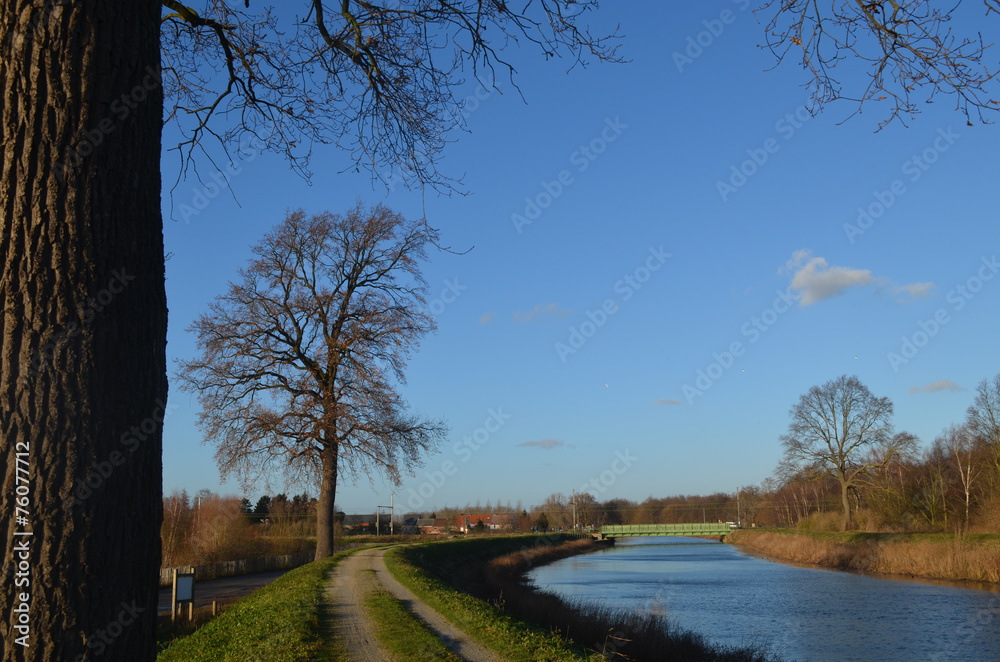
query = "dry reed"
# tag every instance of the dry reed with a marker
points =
(955, 558)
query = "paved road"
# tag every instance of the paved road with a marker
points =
(227, 588)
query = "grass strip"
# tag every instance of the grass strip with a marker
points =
(401, 633)
(282, 622)
(512, 638)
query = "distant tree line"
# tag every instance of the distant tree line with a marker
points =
(862, 475)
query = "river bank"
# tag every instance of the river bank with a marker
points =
(950, 557)
(493, 570)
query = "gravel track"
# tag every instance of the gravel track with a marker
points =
(346, 592)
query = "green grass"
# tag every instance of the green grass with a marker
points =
(405, 637)
(514, 638)
(282, 622)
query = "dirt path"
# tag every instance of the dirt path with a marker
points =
(346, 594)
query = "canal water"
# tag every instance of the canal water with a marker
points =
(800, 613)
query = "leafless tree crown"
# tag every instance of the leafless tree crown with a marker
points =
(842, 430)
(303, 353)
(903, 53)
(376, 78)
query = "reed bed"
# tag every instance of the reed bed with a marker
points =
(938, 556)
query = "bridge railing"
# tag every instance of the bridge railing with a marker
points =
(709, 528)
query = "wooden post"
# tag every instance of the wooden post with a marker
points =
(191, 610)
(173, 599)
(215, 608)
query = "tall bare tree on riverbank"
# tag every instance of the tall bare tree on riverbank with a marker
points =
(299, 360)
(842, 430)
(83, 99)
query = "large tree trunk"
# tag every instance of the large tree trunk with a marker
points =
(325, 517)
(83, 323)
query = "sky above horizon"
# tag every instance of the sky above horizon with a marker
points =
(658, 259)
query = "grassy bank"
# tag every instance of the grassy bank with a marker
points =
(925, 555)
(479, 585)
(423, 570)
(279, 623)
(400, 633)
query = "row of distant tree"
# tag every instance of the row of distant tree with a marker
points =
(952, 483)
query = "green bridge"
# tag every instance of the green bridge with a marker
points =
(693, 530)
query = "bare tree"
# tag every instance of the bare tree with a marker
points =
(983, 419)
(750, 501)
(83, 98)
(840, 429)
(299, 360)
(902, 52)
(961, 446)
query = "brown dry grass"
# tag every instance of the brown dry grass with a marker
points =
(941, 557)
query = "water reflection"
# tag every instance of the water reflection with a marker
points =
(805, 614)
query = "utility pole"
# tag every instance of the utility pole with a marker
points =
(738, 520)
(392, 513)
(378, 513)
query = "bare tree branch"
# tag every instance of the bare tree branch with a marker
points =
(893, 53)
(377, 79)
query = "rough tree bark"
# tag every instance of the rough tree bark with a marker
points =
(327, 496)
(82, 360)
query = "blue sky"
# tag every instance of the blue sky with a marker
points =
(617, 250)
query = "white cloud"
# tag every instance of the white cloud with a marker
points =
(544, 443)
(539, 311)
(665, 402)
(939, 385)
(818, 281)
(915, 290)
(486, 318)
